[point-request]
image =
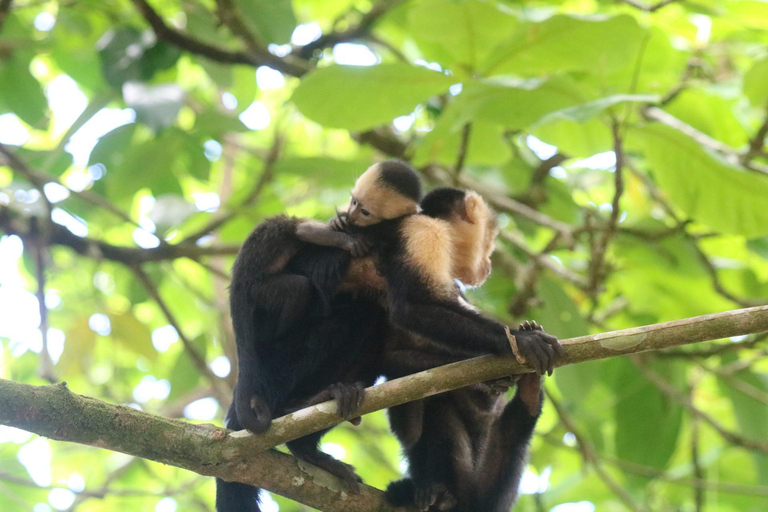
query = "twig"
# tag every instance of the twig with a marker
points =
(255, 57)
(544, 260)
(230, 15)
(14, 223)
(357, 31)
(35, 176)
(590, 455)
(756, 143)
(698, 470)
(5, 9)
(726, 151)
(461, 157)
(666, 388)
(597, 262)
(717, 285)
(219, 386)
(266, 176)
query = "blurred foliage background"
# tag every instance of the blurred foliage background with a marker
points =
(621, 142)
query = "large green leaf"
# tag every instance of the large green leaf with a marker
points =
(565, 43)
(706, 187)
(128, 331)
(273, 20)
(709, 113)
(360, 97)
(647, 421)
(513, 103)
(20, 93)
(465, 31)
(745, 389)
(756, 83)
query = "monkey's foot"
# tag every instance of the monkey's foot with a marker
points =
(537, 348)
(348, 398)
(435, 496)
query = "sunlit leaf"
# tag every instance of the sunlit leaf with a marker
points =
(360, 97)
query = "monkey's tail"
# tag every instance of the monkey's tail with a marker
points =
(400, 493)
(236, 497)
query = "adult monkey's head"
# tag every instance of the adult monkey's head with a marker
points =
(386, 190)
(473, 229)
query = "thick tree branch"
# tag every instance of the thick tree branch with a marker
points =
(55, 412)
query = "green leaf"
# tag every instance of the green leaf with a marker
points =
(694, 179)
(709, 113)
(20, 92)
(465, 31)
(597, 44)
(156, 105)
(486, 145)
(273, 20)
(513, 103)
(128, 331)
(129, 55)
(361, 97)
(756, 83)
(745, 388)
(587, 111)
(578, 140)
(647, 421)
(328, 171)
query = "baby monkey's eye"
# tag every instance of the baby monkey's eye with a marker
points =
(354, 202)
(365, 212)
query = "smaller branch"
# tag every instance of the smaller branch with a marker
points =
(717, 285)
(590, 455)
(358, 31)
(219, 386)
(230, 15)
(461, 157)
(256, 57)
(666, 388)
(383, 139)
(42, 178)
(266, 176)
(757, 143)
(5, 10)
(542, 171)
(597, 262)
(698, 470)
(481, 369)
(14, 223)
(543, 260)
(726, 151)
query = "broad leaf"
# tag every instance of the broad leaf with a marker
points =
(695, 180)
(273, 20)
(360, 97)
(756, 83)
(565, 43)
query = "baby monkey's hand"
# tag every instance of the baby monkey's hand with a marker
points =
(358, 246)
(339, 222)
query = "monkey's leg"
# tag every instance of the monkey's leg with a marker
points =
(505, 456)
(306, 449)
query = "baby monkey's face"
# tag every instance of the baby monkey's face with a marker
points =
(358, 215)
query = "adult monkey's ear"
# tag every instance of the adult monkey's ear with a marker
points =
(472, 211)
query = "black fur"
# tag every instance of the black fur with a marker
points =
(442, 202)
(402, 178)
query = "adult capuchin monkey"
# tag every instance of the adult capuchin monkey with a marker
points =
(466, 449)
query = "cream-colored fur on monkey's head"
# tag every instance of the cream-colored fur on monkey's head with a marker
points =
(474, 241)
(386, 190)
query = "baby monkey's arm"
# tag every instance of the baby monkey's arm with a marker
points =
(322, 234)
